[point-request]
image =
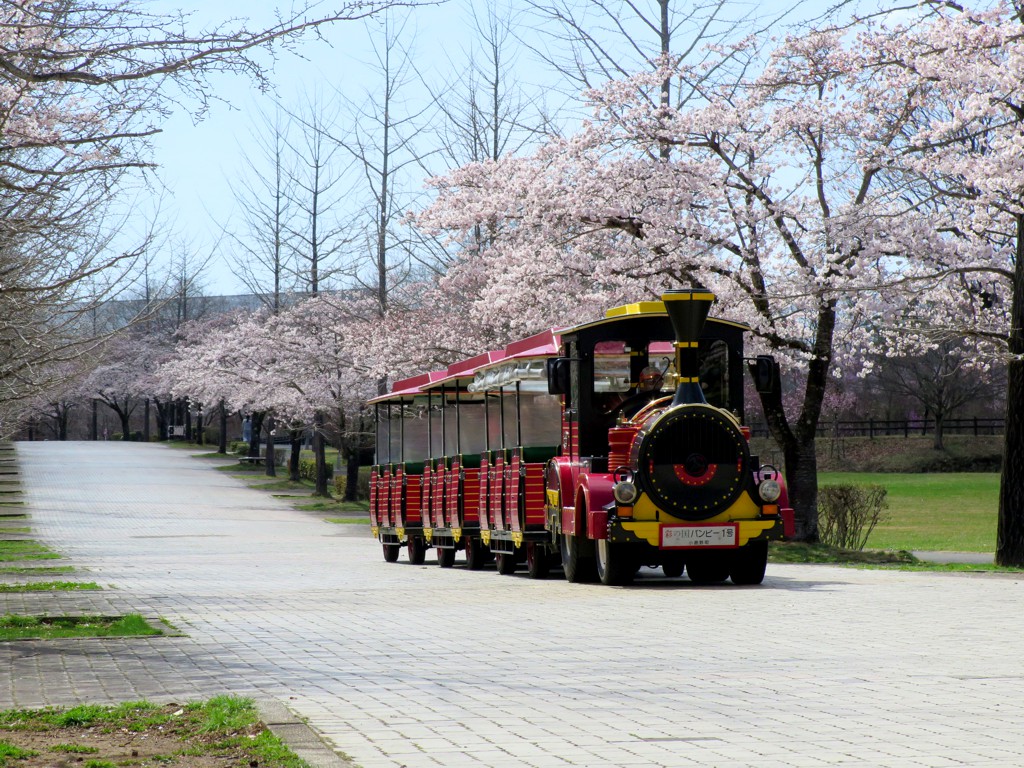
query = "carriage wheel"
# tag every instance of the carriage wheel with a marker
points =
(749, 563)
(578, 569)
(476, 555)
(538, 565)
(616, 564)
(417, 550)
(506, 563)
(445, 557)
(391, 553)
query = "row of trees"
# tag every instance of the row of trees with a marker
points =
(850, 192)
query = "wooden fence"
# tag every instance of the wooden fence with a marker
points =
(898, 427)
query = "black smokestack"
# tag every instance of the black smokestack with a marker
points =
(688, 309)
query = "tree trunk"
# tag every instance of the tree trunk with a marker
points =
(255, 427)
(320, 455)
(222, 444)
(938, 443)
(293, 459)
(126, 425)
(145, 421)
(268, 459)
(1010, 529)
(352, 475)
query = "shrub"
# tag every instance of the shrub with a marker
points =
(340, 483)
(239, 447)
(307, 469)
(848, 513)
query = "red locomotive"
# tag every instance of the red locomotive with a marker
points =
(606, 447)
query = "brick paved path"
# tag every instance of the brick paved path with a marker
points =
(417, 666)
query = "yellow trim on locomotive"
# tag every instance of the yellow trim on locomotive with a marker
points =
(485, 537)
(428, 534)
(400, 532)
(375, 530)
(648, 519)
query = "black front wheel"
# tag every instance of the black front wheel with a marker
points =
(749, 564)
(391, 553)
(708, 567)
(577, 568)
(616, 565)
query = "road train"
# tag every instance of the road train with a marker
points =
(601, 448)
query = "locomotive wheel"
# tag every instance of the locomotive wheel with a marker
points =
(673, 567)
(749, 563)
(391, 553)
(616, 566)
(445, 557)
(476, 554)
(506, 563)
(708, 567)
(417, 550)
(538, 565)
(578, 569)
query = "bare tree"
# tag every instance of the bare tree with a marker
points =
(318, 235)
(265, 198)
(85, 85)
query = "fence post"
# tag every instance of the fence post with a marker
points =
(975, 426)
(906, 428)
(871, 428)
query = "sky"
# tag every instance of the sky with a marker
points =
(199, 161)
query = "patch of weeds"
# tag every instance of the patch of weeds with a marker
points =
(74, 749)
(9, 751)
(220, 732)
(51, 586)
(14, 627)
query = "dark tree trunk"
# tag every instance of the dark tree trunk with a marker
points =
(1010, 530)
(189, 437)
(352, 475)
(126, 425)
(938, 444)
(320, 455)
(255, 428)
(293, 459)
(799, 443)
(222, 443)
(268, 460)
(145, 421)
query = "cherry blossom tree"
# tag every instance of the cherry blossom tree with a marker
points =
(963, 156)
(769, 196)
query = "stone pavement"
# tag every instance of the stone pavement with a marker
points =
(399, 665)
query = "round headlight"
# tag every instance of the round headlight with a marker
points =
(625, 492)
(769, 490)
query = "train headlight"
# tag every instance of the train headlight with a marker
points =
(625, 492)
(769, 490)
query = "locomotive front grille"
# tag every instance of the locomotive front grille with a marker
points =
(692, 461)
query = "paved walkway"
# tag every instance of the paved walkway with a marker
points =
(398, 665)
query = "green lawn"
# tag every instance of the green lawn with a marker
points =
(945, 512)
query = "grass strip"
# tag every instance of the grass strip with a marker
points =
(37, 570)
(16, 627)
(225, 730)
(348, 520)
(26, 550)
(51, 586)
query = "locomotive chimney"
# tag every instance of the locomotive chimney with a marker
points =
(688, 309)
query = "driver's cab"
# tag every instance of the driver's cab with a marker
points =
(619, 366)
